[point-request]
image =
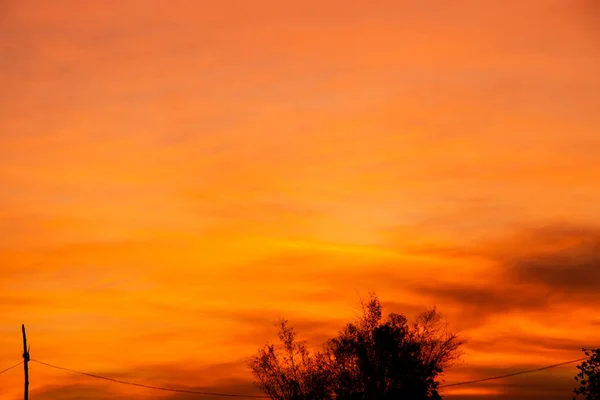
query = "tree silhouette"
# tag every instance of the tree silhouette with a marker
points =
(589, 376)
(288, 371)
(369, 359)
(391, 359)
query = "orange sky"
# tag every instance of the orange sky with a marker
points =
(175, 175)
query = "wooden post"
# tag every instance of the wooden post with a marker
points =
(26, 362)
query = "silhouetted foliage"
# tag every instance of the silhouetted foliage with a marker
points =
(288, 371)
(371, 358)
(589, 376)
(391, 359)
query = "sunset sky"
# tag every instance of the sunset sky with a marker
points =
(176, 175)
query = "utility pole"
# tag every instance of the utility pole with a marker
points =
(26, 362)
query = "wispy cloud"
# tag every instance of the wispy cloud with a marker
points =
(176, 176)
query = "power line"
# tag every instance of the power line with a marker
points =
(515, 373)
(259, 396)
(164, 389)
(8, 369)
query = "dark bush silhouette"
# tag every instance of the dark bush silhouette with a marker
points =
(370, 359)
(589, 376)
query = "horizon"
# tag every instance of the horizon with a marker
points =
(175, 176)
